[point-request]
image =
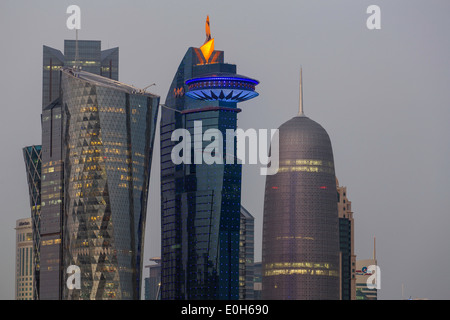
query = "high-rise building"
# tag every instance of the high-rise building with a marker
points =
(108, 133)
(90, 58)
(346, 244)
(201, 202)
(24, 259)
(246, 255)
(32, 157)
(152, 284)
(366, 278)
(300, 250)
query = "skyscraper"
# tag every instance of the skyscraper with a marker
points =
(201, 202)
(247, 255)
(109, 130)
(300, 253)
(346, 244)
(47, 216)
(24, 259)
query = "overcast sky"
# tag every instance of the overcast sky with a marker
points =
(382, 95)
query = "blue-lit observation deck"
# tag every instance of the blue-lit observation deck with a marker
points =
(223, 87)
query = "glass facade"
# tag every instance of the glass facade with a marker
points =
(90, 58)
(52, 195)
(300, 253)
(33, 162)
(246, 255)
(346, 244)
(200, 203)
(108, 140)
(24, 259)
(52, 62)
(48, 215)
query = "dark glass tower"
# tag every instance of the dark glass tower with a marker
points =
(109, 130)
(300, 257)
(201, 203)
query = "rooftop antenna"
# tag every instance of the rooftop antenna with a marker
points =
(300, 107)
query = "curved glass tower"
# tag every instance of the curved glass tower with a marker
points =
(109, 130)
(300, 255)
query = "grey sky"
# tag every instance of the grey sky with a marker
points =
(383, 97)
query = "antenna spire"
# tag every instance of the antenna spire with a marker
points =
(300, 107)
(374, 249)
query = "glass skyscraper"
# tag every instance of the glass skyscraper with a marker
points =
(363, 292)
(109, 130)
(247, 256)
(300, 250)
(200, 202)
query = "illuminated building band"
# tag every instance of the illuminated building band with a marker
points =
(223, 87)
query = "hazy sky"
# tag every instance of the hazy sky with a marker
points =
(382, 95)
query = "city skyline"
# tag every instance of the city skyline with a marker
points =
(381, 94)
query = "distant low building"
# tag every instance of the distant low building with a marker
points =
(257, 281)
(346, 245)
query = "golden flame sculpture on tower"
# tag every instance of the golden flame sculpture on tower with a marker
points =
(208, 47)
